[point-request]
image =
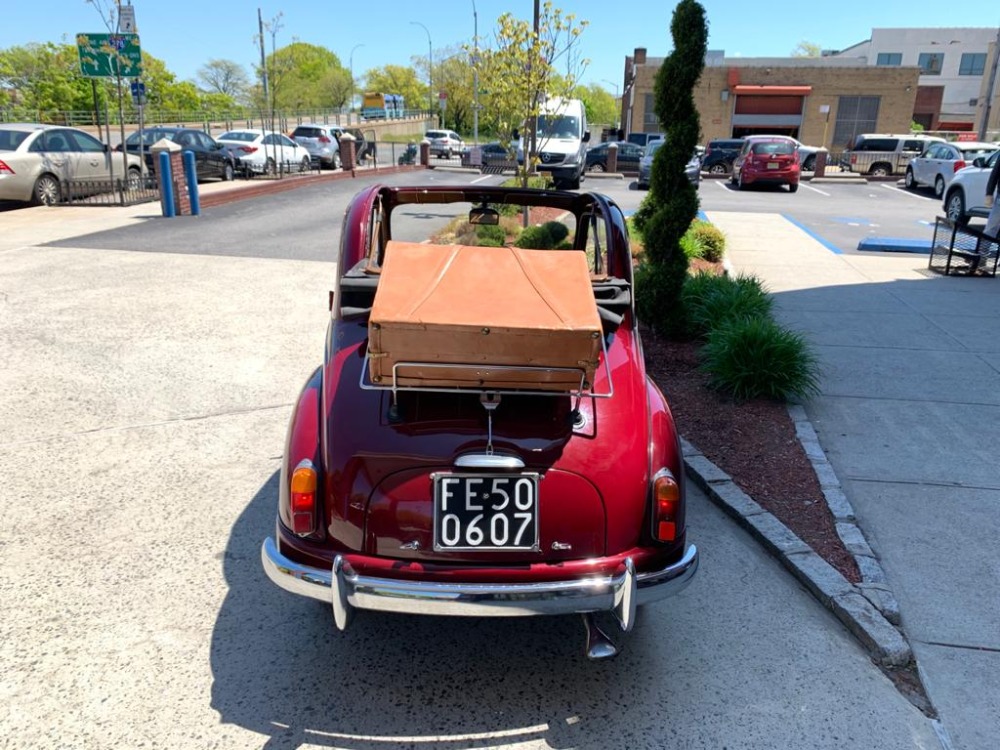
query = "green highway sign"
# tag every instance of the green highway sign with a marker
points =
(109, 55)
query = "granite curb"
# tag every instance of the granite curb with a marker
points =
(866, 609)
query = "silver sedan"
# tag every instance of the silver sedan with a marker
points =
(38, 161)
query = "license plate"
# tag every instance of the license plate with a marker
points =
(485, 511)
(773, 165)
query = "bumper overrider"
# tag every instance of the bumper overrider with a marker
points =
(346, 590)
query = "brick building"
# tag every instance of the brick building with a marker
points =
(822, 101)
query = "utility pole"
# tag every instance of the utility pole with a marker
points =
(990, 89)
(475, 75)
(263, 65)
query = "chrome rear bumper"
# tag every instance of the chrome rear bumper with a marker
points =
(346, 590)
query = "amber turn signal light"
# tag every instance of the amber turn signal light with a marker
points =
(666, 502)
(303, 498)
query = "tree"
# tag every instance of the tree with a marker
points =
(807, 49)
(304, 76)
(45, 77)
(396, 79)
(521, 70)
(224, 77)
(672, 202)
(453, 76)
(601, 105)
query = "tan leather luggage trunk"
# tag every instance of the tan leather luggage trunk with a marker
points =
(487, 308)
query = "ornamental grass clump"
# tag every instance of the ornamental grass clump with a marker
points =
(711, 239)
(754, 357)
(710, 301)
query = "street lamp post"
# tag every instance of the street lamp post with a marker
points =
(351, 63)
(430, 67)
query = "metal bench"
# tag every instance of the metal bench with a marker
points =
(958, 250)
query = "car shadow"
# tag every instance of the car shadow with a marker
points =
(281, 669)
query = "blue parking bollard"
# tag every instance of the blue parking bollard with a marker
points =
(166, 186)
(192, 180)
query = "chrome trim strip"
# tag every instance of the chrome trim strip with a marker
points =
(346, 590)
(488, 461)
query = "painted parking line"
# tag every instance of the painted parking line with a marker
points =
(904, 192)
(815, 190)
(824, 242)
(721, 184)
(480, 179)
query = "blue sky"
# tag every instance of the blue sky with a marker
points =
(187, 33)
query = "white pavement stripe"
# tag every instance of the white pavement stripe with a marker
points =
(480, 179)
(721, 184)
(903, 192)
(815, 190)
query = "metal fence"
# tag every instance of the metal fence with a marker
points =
(105, 192)
(282, 120)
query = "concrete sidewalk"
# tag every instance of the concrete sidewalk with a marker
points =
(908, 418)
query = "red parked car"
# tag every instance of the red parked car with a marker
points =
(481, 438)
(767, 159)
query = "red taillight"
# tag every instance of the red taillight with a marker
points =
(303, 498)
(4, 169)
(666, 506)
(959, 165)
(854, 159)
(323, 139)
(248, 149)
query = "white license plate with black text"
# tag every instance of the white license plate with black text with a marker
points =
(485, 511)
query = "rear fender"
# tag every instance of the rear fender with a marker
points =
(665, 449)
(303, 442)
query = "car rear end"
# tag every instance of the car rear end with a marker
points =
(18, 168)
(772, 161)
(320, 142)
(441, 144)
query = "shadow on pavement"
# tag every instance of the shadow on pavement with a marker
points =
(281, 669)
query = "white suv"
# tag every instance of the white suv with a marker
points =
(444, 143)
(966, 196)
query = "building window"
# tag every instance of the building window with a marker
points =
(930, 63)
(650, 122)
(855, 115)
(973, 64)
(889, 58)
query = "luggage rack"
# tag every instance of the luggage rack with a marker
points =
(584, 389)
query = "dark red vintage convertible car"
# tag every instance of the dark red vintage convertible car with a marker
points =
(481, 438)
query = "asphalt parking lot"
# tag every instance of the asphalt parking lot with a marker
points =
(149, 375)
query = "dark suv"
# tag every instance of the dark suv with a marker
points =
(720, 154)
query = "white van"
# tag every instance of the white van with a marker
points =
(561, 142)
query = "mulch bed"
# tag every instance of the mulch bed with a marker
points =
(753, 441)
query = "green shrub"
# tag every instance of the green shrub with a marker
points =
(711, 301)
(490, 235)
(712, 240)
(692, 246)
(755, 357)
(544, 236)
